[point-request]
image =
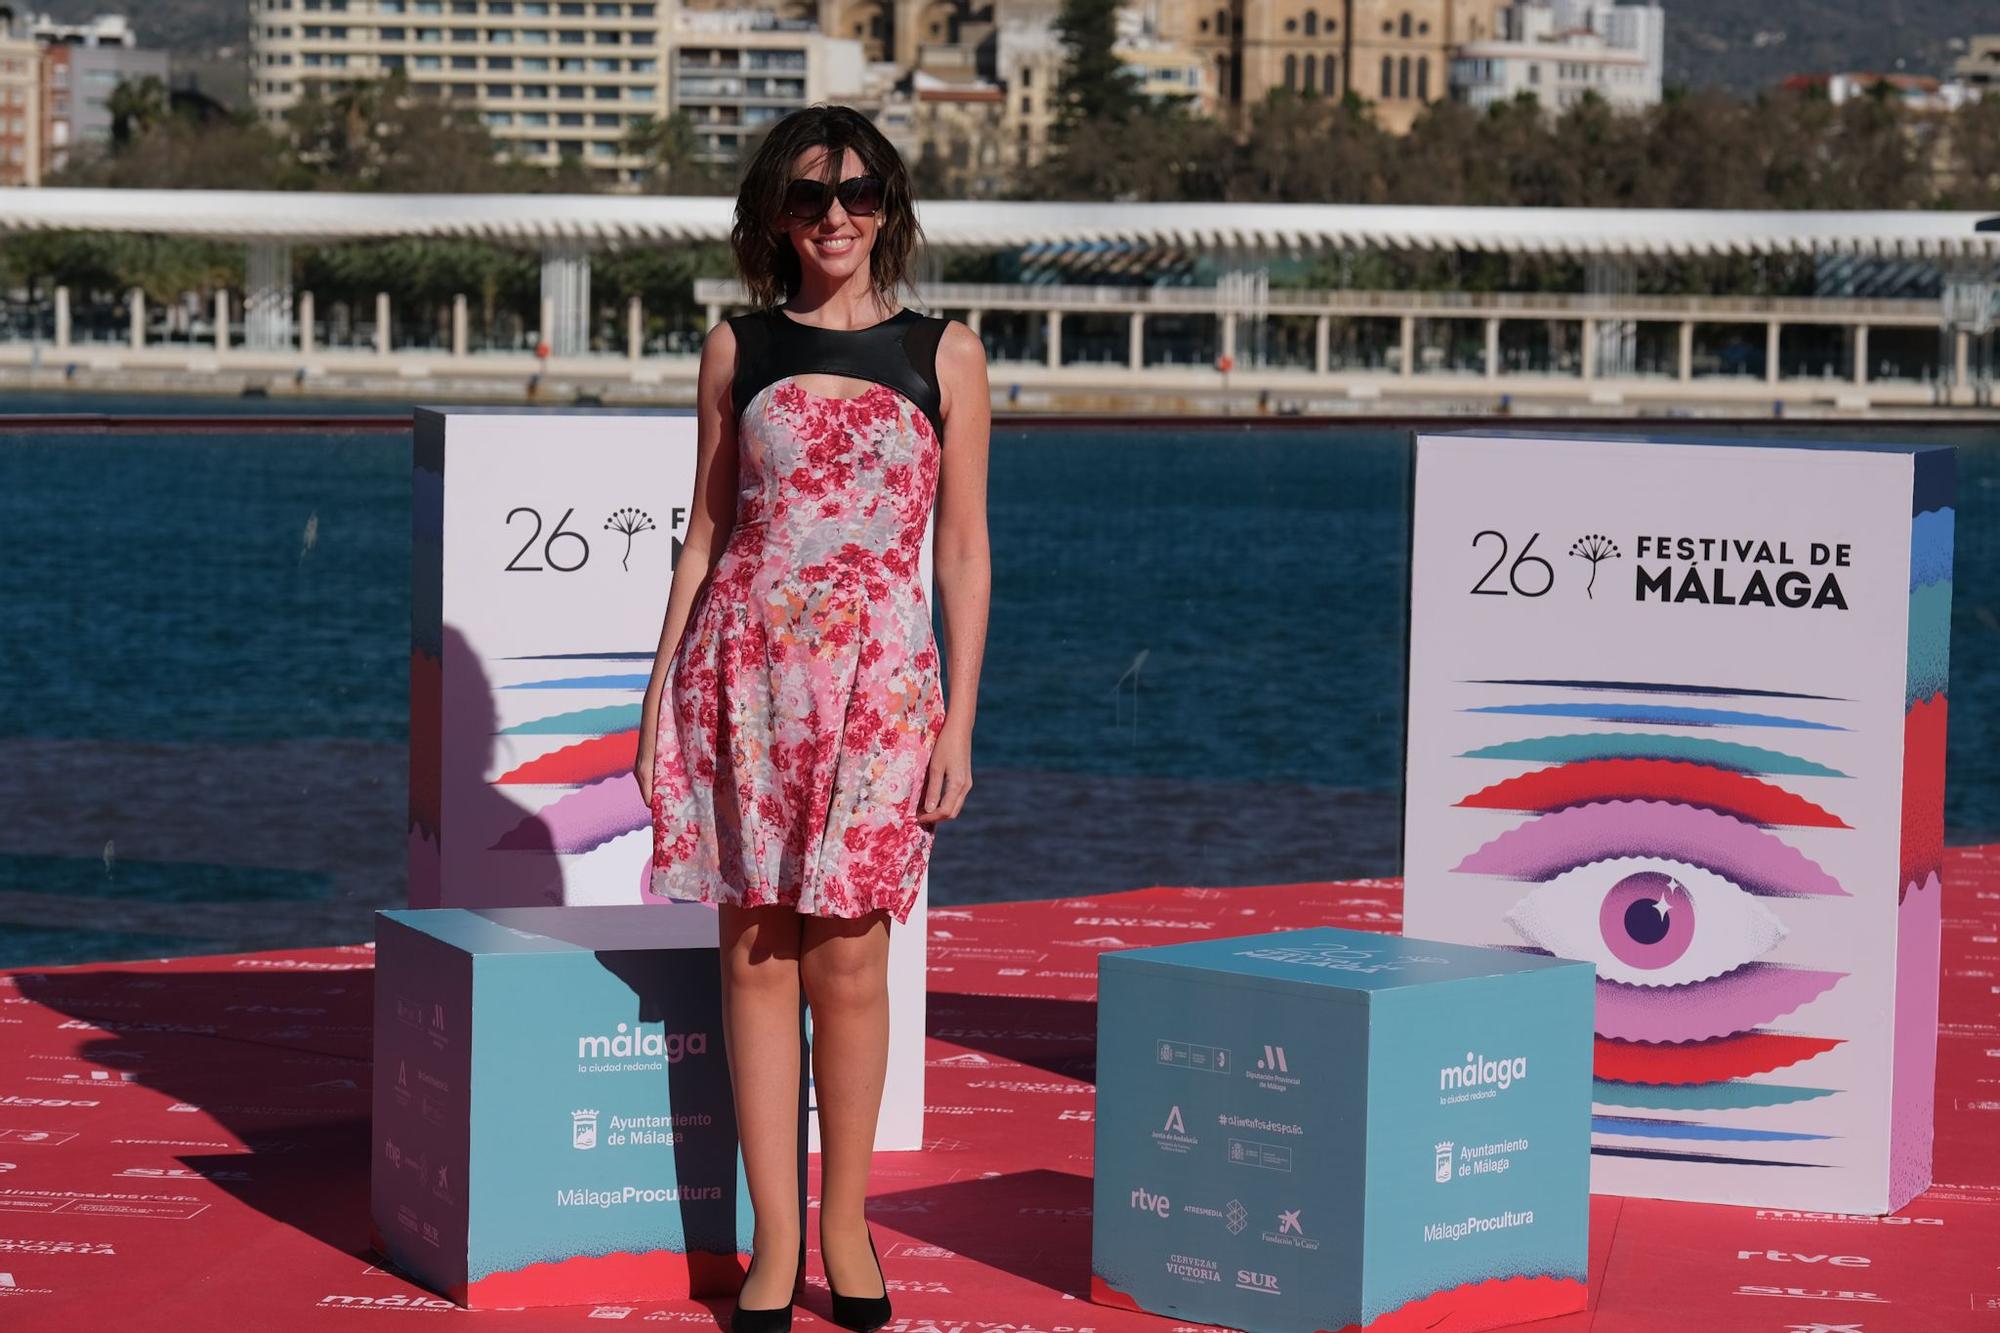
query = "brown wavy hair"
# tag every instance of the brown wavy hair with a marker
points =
(765, 260)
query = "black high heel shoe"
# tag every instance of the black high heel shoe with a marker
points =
(862, 1314)
(778, 1319)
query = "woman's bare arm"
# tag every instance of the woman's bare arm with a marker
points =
(961, 561)
(709, 522)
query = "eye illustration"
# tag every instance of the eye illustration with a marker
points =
(1647, 921)
(1659, 858)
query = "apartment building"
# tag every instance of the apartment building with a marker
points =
(1564, 50)
(82, 65)
(20, 101)
(552, 79)
(736, 71)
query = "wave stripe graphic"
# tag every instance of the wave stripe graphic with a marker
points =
(1643, 745)
(585, 761)
(1637, 1127)
(1565, 785)
(580, 657)
(581, 722)
(1931, 537)
(1756, 861)
(1701, 1061)
(1701, 1096)
(1650, 687)
(634, 682)
(1713, 1159)
(1658, 715)
(1750, 996)
(585, 819)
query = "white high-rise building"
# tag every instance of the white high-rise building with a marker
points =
(1562, 50)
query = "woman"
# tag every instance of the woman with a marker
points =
(806, 754)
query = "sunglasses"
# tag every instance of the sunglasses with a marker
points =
(807, 198)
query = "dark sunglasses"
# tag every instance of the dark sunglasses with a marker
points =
(807, 197)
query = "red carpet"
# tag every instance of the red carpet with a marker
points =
(183, 1146)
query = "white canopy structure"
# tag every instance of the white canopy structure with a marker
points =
(566, 229)
(606, 221)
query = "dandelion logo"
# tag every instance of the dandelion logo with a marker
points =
(631, 522)
(1596, 548)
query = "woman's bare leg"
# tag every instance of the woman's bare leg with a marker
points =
(760, 1028)
(844, 966)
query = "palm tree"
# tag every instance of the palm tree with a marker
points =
(667, 143)
(136, 107)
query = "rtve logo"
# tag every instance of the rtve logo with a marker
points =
(1787, 1257)
(1146, 1201)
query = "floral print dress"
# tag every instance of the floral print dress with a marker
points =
(803, 699)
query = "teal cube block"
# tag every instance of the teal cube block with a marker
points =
(553, 1120)
(1331, 1129)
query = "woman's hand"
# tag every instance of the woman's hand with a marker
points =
(950, 775)
(642, 773)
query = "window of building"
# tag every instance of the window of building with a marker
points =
(609, 11)
(1403, 24)
(572, 118)
(465, 62)
(1388, 77)
(1403, 77)
(500, 36)
(605, 38)
(534, 90)
(1311, 71)
(607, 120)
(499, 62)
(500, 91)
(1312, 23)
(393, 34)
(500, 119)
(1423, 78)
(569, 92)
(606, 92)
(534, 117)
(1291, 71)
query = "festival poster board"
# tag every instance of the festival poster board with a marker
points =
(1677, 708)
(543, 543)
